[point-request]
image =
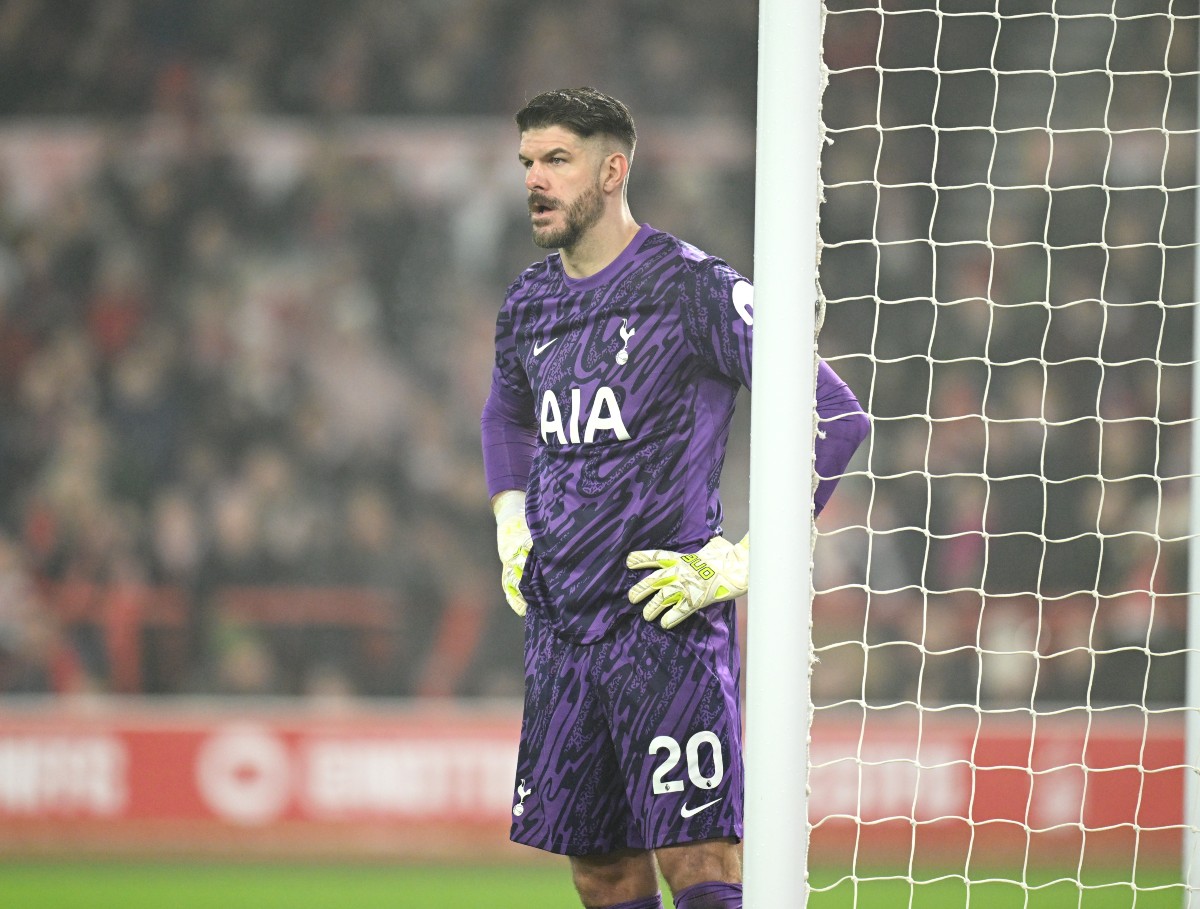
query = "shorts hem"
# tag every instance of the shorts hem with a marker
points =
(573, 848)
(570, 849)
(685, 838)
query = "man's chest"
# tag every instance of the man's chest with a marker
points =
(601, 373)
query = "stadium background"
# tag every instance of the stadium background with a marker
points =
(250, 258)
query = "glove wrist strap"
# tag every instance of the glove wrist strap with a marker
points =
(508, 505)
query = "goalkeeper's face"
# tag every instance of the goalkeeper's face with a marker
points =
(563, 179)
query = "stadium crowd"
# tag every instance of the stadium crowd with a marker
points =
(1030, 324)
(222, 376)
(244, 343)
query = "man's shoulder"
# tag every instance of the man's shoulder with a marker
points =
(534, 275)
(688, 254)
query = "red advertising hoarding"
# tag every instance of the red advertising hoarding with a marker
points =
(397, 782)
(416, 782)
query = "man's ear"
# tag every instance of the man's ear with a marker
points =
(614, 171)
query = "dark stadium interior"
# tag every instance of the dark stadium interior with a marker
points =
(250, 259)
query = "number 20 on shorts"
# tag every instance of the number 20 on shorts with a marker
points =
(695, 772)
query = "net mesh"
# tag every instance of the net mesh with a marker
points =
(1001, 580)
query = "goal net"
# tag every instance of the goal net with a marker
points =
(1001, 581)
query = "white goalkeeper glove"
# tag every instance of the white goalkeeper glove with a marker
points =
(684, 583)
(513, 542)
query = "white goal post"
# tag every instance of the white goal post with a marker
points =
(785, 289)
(988, 678)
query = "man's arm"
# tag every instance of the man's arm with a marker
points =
(841, 428)
(682, 584)
(508, 437)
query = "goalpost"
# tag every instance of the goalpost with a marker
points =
(785, 287)
(1001, 693)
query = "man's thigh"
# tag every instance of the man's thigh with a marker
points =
(569, 796)
(633, 742)
(673, 705)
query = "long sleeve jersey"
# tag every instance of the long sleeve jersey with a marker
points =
(610, 406)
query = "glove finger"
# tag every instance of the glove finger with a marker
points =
(650, 558)
(517, 602)
(676, 614)
(512, 593)
(519, 552)
(510, 580)
(663, 600)
(651, 583)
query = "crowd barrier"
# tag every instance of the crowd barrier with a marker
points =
(435, 780)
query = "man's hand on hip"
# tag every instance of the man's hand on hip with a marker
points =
(685, 582)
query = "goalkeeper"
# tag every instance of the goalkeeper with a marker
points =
(618, 359)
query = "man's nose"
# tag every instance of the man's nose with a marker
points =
(535, 177)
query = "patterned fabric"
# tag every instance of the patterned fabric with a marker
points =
(610, 404)
(710, 895)
(627, 379)
(631, 742)
(650, 902)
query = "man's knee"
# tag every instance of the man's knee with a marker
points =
(689, 864)
(613, 878)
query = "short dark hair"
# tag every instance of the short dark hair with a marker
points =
(584, 111)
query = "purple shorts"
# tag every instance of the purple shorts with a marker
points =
(632, 741)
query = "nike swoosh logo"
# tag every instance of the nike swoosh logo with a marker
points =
(686, 812)
(538, 348)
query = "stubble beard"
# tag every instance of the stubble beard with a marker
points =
(579, 216)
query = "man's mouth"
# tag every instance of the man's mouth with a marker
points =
(540, 207)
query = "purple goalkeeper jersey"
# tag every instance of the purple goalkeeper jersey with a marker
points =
(610, 405)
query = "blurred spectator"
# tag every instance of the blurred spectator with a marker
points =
(34, 656)
(248, 286)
